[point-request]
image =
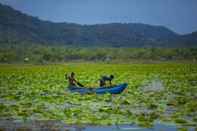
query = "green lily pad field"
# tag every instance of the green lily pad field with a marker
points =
(156, 93)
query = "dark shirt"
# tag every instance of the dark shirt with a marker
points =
(104, 79)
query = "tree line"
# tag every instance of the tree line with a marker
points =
(54, 54)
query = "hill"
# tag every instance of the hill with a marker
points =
(189, 40)
(17, 27)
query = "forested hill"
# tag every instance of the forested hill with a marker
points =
(16, 27)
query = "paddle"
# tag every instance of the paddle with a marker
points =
(79, 84)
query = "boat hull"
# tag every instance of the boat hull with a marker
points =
(101, 90)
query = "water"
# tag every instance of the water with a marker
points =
(12, 125)
(155, 85)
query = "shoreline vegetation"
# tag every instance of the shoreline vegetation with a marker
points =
(39, 54)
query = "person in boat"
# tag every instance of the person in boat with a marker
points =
(72, 81)
(105, 79)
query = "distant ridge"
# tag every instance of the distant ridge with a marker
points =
(17, 27)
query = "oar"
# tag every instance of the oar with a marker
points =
(79, 84)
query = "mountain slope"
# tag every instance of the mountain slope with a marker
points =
(18, 27)
(190, 39)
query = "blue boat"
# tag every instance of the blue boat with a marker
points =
(117, 89)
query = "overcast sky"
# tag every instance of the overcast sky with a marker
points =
(178, 15)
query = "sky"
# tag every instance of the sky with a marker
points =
(178, 15)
